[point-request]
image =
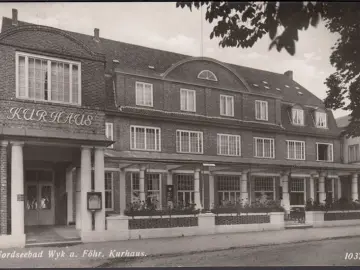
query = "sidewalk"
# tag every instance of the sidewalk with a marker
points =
(163, 246)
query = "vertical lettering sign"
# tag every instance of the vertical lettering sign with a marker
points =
(169, 193)
(59, 117)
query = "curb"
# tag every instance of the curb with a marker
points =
(175, 254)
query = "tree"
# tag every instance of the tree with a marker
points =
(242, 24)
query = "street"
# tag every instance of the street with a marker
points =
(319, 253)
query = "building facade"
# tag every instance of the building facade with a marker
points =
(82, 113)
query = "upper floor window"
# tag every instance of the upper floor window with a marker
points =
(145, 138)
(48, 79)
(228, 145)
(207, 75)
(324, 152)
(261, 110)
(109, 194)
(264, 147)
(109, 132)
(144, 94)
(297, 116)
(226, 105)
(296, 150)
(188, 100)
(321, 119)
(189, 141)
(353, 153)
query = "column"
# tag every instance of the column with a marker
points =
(78, 199)
(169, 181)
(122, 190)
(322, 194)
(312, 186)
(99, 175)
(197, 189)
(86, 218)
(339, 195)
(285, 191)
(211, 191)
(142, 183)
(17, 188)
(244, 196)
(3, 187)
(354, 187)
(69, 192)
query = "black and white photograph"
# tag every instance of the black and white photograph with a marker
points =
(179, 134)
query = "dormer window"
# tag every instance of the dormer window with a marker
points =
(297, 116)
(321, 119)
(207, 75)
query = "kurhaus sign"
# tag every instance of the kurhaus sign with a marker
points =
(59, 117)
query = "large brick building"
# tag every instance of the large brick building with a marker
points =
(212, 132)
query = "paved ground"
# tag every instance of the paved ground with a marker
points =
(318, 253)
(106, 253)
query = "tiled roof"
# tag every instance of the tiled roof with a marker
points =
(137, 59)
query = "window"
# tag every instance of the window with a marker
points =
(264, 147)
(189, 141)
(188, 100)
(296, 150)
(353, 153)
(207, 75)
(228, 145)
(153, 197)
(145, 138)
(321, 119)
(264, 188)
(228, 189)
(297, 116)
(109, 133)
(135, 187)
(297, 191)
(329, 189)
(48, 79)
(185, 189)
(261, 110)
(144, 94)
(324, 151)
(109, 201)
(226, 105)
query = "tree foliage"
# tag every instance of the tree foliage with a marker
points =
(242, 24)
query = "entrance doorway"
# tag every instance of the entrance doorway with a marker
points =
(39, 197)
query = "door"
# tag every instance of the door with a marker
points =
(39, 198)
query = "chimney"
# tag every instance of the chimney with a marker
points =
(96, 34)
(289, 73)
(14, 17)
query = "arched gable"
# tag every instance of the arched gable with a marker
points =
(226, 76)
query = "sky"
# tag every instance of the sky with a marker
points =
(163, 26)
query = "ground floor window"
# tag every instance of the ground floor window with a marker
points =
(109, 201)
(135, 187)
(264, 188)
(228, 187)
(153, 198)
(297, 191)
(329, 189)
(185, 189)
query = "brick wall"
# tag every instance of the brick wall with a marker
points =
(3, 189)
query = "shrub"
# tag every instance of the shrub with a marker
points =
(255, 207)
(342, 204)
(141, 209)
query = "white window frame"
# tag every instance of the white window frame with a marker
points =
(110, 190)
(264, 190)
(296, 191)
(147, 175)
(238, 144)
(228, 111)
(199, 138)
(296, 144)
(49, 60)
(200, 75)
(110, 136)
(185, 107)
(331, 154)
(262, 114)
(297, 112)
(143, 84)
(235, 192)
(157, 142)
(132, 186)
(317, 117)
(355, 148)
(184, 191)
(272, 144)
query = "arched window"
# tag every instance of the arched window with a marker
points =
(207, 75)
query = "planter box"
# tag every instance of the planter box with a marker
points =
(333, 218)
